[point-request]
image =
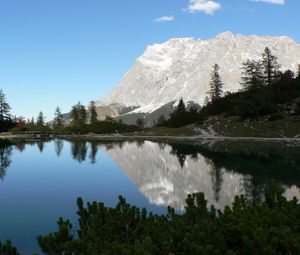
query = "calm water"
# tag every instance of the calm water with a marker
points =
(40, 180)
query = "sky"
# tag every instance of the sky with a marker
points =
(59, 52)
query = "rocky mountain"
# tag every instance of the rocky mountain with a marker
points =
(180, 68)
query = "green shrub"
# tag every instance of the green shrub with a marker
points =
(275, 117)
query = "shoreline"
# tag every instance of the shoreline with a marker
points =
(155, 137)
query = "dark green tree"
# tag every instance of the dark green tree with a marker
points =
(140, 122)
(58, 118)
(252, 75)
(8, 249)
(270, 66)
(40, 121)
(4, 107)
(181, 108)
(78, 115)
(215, 84)
(93, 113)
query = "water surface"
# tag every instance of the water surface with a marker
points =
(41, 180)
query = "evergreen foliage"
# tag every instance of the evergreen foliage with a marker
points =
(215, 84)
(78, 115)
(58, 119)
(40, 121)
(140, 122)
(270, 66)
(271, 227)
(252, 75)
(8, 249)
(6, 122)
(4, 107)
(93, 113)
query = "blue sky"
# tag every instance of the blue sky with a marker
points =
(58, 52)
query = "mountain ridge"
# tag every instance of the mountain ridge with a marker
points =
(180, 68)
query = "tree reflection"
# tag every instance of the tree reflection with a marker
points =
(216, 180)
(79, 150)
(93, 152)
(5, 159)
(20, 147)
(59, 144)
(40, 144)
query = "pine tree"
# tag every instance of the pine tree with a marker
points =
(180, 107)
(215, 84)
(40, 119)
(78, 114)
(140, 122)
(74, 115)
(93, 113)
(58, 119)
(82, 114)
(252, 75)
(270, 66)
(4, 107)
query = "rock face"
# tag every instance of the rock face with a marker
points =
(180, 68)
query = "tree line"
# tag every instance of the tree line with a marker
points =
(246, 227)
(265, 90)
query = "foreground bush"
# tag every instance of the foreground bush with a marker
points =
(271, 227)
(8, 249)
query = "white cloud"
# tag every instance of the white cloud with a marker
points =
(206, 6)
(271, 1)
(164, 19)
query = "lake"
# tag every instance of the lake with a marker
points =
(41, 180)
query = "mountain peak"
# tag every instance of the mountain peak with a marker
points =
(180, 68)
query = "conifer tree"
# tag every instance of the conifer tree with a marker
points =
(215, 84)
(270, 66)
(4, 107)
(252, 75)
(58, 119)
(40, 119)
(140, 122)
(93, 113)
(78, 114)
(74, 115)
(180, 107)
(82, 114)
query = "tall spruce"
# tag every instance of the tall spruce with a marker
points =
(270, 66)
(93, 113)
(180, 107)
(78, 114)
(215, 84)
(40, 121)
(4, 107)
(58, 118)
(252, 75)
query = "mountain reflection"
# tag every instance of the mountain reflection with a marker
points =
(166, 172)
